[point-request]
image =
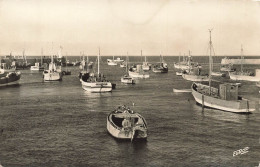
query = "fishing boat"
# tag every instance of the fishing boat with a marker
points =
(244, 75)
(96, 82)
(126, 78)
(161, 67)
(118, 60)
(53, 73)
(223, 98)
(195, 75)
(138, 72)
(187, 63)
(124, 123)
(145, 65)
(111, 62)
(8, 77)
(37, 67)
(227, 68)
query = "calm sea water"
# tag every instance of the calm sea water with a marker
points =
(59, 124)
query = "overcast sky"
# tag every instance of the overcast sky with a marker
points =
(117, 26)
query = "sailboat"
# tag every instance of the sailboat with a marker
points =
(187, 63)
(53, 73)
(194, 73)
(145, 65)
(126, 78)
(161, 67)
(138, 72)
(242, 75)
(223, 98)
(111, 62)
(96, 82)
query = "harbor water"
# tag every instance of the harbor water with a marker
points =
(59, 124)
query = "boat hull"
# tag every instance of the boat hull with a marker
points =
(127, 80)
(138, 75)
(52, 76)
(12, 78)
(196, 78)
(160, 70)
(96, 87)
(37, 68)
(238, 106)
(124, 134)
(243, 77)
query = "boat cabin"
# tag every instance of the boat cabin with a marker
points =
(228, 91)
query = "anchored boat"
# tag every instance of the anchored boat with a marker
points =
(124, 123)
(8, 77)
(126, 78)
(96, 82)
(223, 98)
(161, 67)
(138, 72)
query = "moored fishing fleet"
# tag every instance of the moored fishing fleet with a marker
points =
(124, 123)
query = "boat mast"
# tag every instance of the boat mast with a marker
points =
(98, 59)
(242, 57)
(66, 61)
(210, 60)
(141, 56)
(41, 56)
(126, 62)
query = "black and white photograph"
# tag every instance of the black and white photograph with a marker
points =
(129, 83)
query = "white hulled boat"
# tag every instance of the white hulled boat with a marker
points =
(8, 77)
(223, 98)
(244, 76)
(53, 73)
(96, 82)
(138, 72)
(124, 123)
(37, 67)
(111, 62)
(126, 78)
(186, 64)
(145, 65)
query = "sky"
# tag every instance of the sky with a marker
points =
(167, 27)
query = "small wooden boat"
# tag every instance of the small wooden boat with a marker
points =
(181, 90)
(124, 123)
(127, 79)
